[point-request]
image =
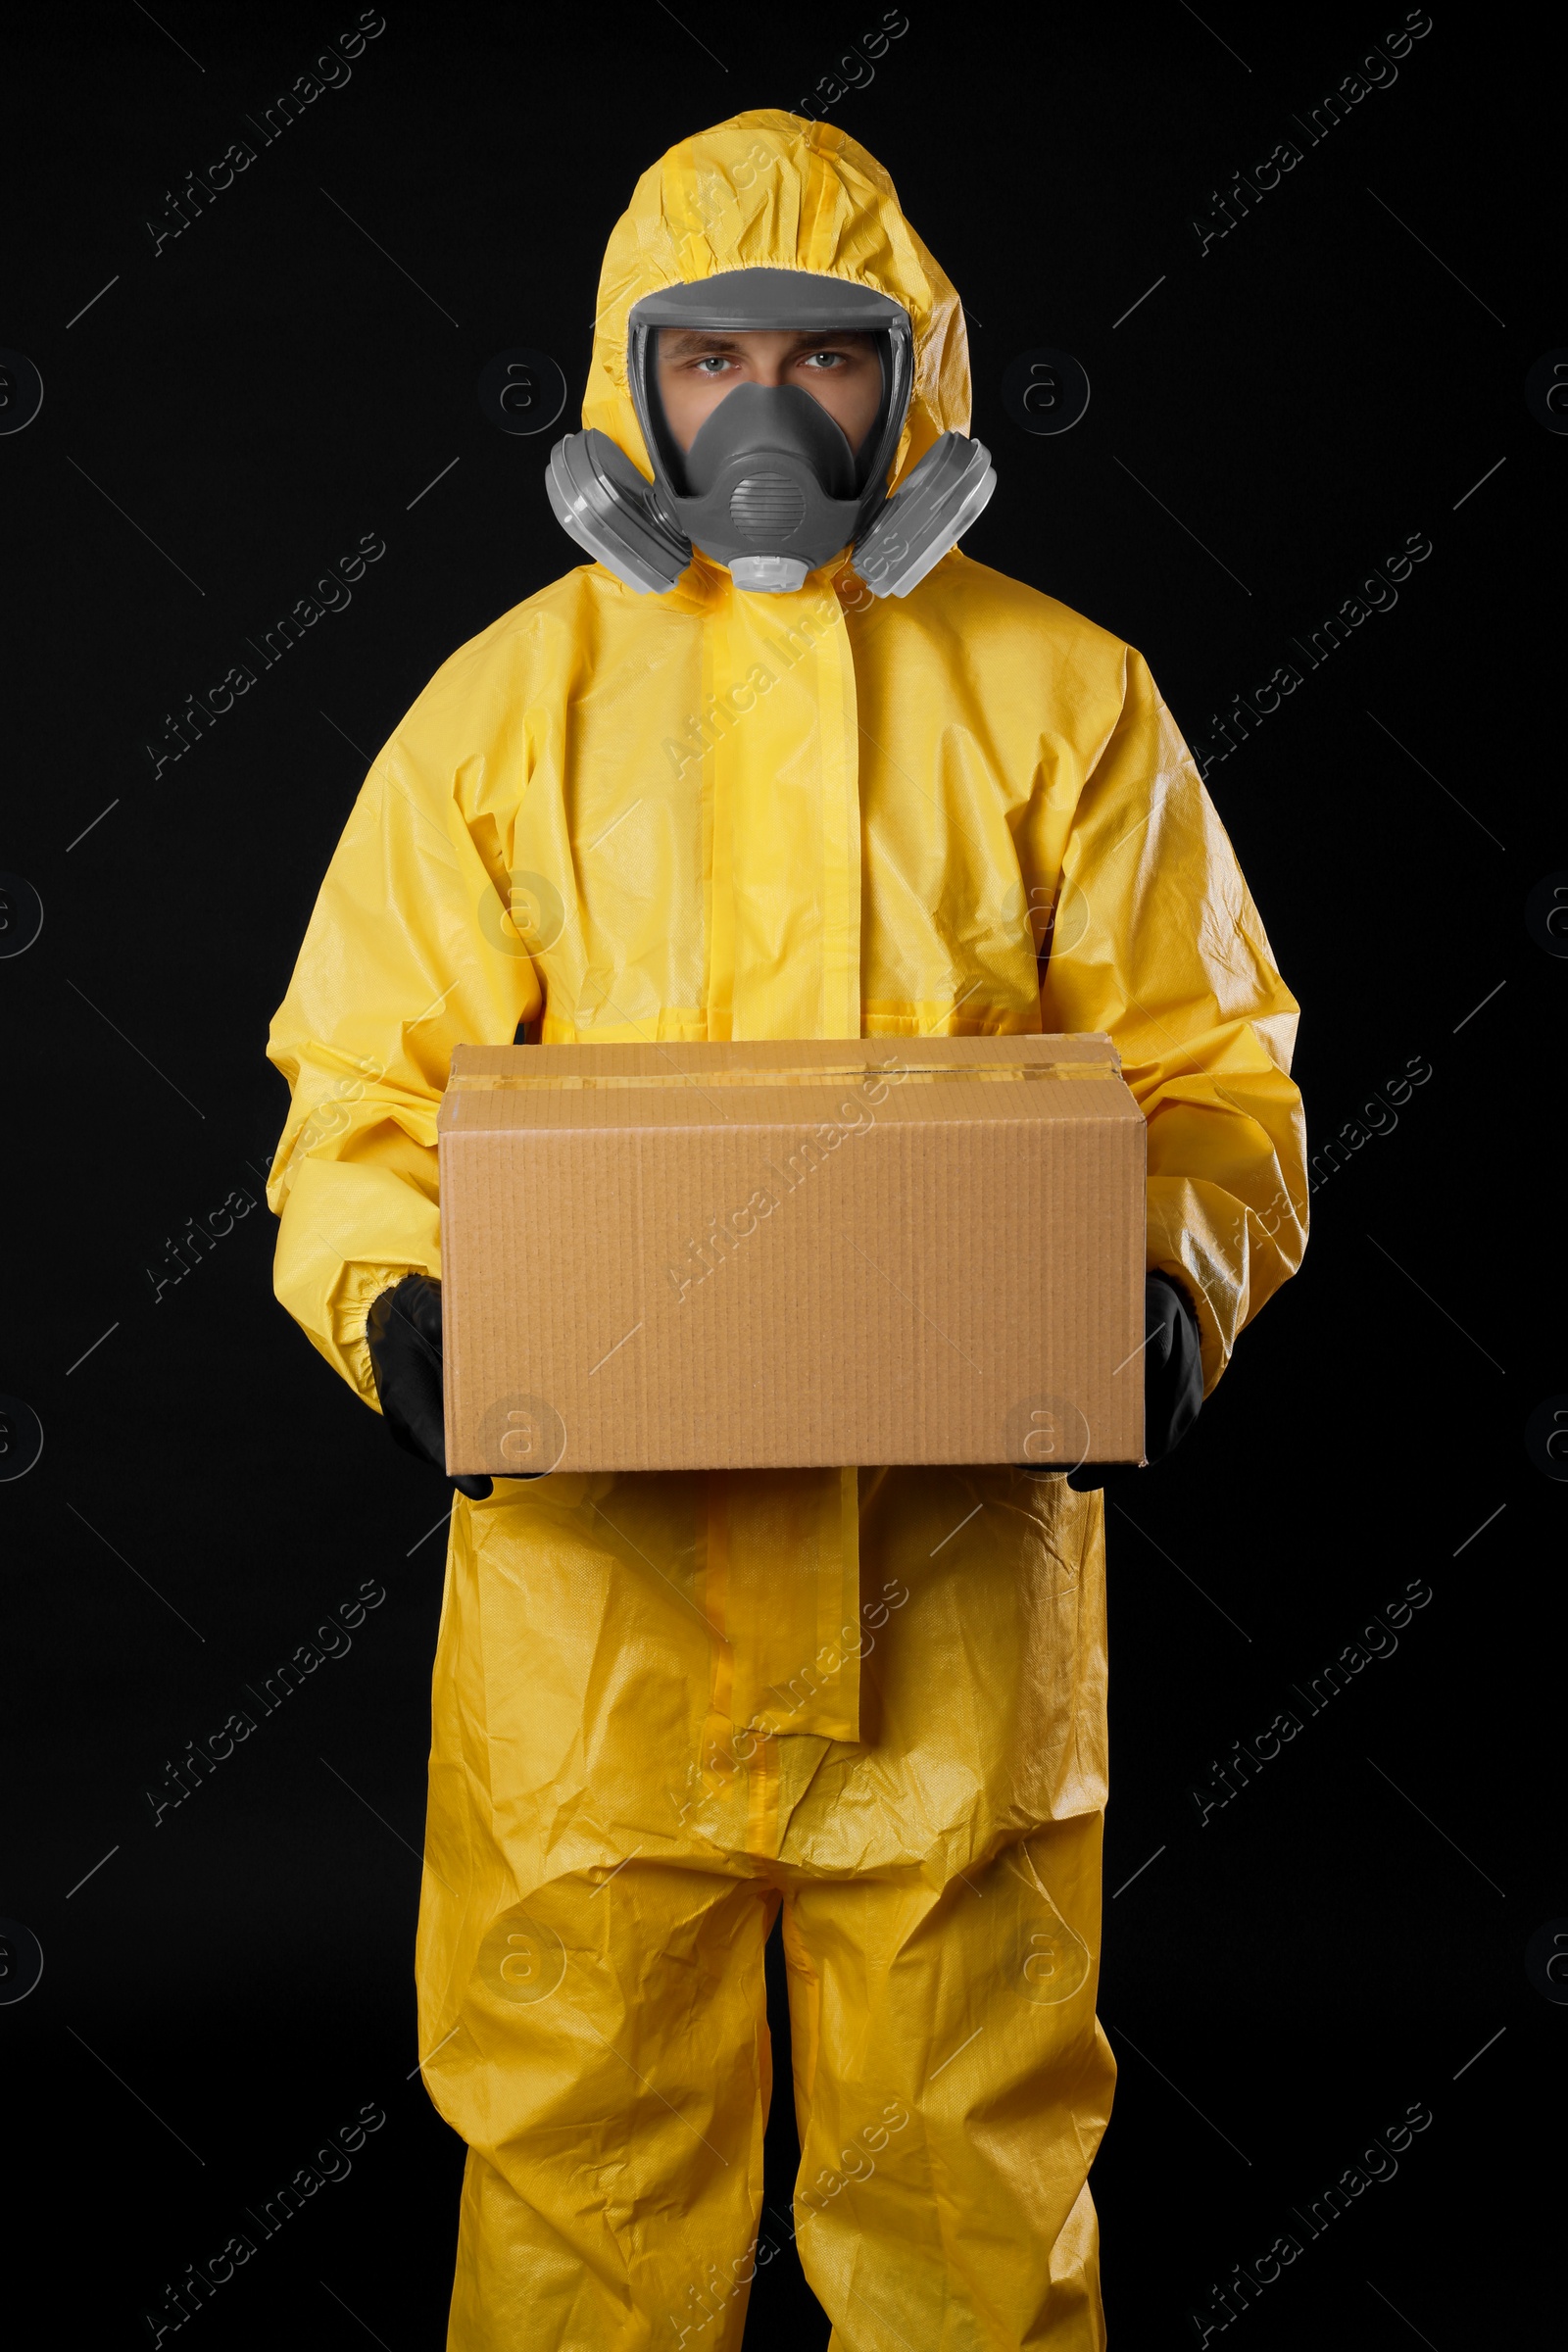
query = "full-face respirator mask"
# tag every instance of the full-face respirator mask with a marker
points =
(770, 487)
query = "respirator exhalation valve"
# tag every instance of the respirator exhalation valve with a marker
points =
(767, 505)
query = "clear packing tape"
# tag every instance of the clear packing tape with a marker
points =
(896, 1074)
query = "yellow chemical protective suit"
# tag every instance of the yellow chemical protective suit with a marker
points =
(664, 1705)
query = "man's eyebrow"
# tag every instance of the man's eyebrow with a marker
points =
(826, 339)
(694, 339)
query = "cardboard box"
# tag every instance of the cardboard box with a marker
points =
(825, 1252)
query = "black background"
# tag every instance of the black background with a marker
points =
(1282, 1982)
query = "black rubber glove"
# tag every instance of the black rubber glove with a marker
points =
(404, 1332)
(1173, 1380)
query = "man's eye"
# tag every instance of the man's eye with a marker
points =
(825, 359)
(714, 362)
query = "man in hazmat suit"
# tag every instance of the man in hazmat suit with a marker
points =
(781, 764)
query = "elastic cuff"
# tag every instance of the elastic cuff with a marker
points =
(361, 1288)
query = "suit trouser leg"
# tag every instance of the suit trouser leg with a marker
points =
(951, 2085)
(613, 2107)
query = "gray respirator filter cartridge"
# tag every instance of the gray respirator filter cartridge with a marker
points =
(600, 498)
(926, 515)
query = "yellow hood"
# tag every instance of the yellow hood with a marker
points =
(773, 191)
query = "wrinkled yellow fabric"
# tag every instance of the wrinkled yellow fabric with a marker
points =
(664, 1705)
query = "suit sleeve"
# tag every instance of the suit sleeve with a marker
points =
(1155, 940)
(409, 952)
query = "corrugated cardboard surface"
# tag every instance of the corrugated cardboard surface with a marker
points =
(824, 1253)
